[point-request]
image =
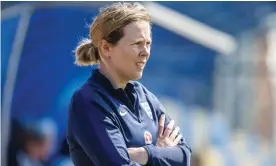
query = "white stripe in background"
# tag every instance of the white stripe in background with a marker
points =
(10, 81)
(270, 22)
(191, 29)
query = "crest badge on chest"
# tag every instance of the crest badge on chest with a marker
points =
(147, 137)
(145, 106)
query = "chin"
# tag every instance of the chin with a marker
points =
(137, 76)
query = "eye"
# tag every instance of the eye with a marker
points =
(148, 43)
(138, 43)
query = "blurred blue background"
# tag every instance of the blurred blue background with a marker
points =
(218, 99)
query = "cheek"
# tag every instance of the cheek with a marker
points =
(127, 58)
(130, 61)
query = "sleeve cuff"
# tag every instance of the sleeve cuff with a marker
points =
(150, 153)
(187, 152)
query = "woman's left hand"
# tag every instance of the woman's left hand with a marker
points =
(170, 136)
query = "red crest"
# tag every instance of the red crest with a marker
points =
(148, 137)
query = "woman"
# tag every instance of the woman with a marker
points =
(114, 120)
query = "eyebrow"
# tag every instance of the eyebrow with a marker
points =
(141, 39)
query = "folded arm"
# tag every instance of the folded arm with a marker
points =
(97, 133)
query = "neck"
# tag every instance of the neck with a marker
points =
(113, 77)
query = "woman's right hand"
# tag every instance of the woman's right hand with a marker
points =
(169, 137)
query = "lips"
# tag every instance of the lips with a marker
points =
(140, 64)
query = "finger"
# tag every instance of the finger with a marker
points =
(161, 125)
(169, 128)
(177, 139)
(174, 133)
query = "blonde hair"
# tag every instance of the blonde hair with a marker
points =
(108, 25)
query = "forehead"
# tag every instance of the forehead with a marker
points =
(137, 30)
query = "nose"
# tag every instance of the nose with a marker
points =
(145, 51)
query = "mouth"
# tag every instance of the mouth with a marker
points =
(141, 65)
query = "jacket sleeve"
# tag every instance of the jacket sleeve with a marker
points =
(179, 155)
(97, 132)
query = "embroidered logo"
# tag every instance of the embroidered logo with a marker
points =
(147, 109)
(122, 112)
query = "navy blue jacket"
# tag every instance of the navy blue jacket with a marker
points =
(103, 122)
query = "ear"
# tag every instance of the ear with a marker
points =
(105, 48)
